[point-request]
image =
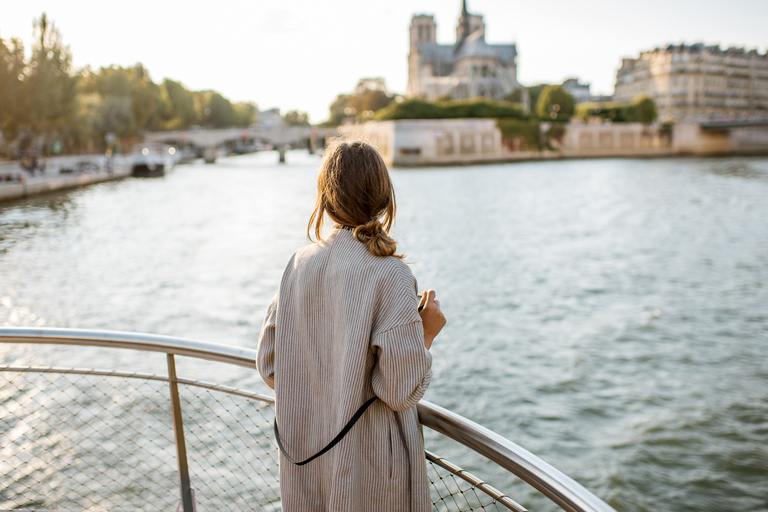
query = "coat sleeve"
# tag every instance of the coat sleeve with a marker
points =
(265, 358)
(403, 368)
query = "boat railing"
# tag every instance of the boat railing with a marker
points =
(93, 439)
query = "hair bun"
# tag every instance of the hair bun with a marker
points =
(370, 229)
(375, 238)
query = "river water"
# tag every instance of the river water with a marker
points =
(609, 315)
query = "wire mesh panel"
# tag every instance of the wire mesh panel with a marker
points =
(453, 489)
(85, 443)
(232, 454)
(83, 440)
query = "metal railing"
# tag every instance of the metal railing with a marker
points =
(79, 437)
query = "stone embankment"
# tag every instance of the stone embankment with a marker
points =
(60, 173)
(417, 142)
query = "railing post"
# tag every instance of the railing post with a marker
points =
(187, 501)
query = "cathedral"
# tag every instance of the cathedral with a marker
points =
(467, 69)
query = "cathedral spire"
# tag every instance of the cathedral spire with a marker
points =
(463, 30)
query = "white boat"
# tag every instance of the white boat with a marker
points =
(152, 159)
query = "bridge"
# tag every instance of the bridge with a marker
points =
(209, 141)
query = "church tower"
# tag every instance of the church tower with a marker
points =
(468, 25)
(423, 29)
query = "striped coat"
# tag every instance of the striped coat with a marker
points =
(344, 327)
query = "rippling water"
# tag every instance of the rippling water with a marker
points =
(609, 315)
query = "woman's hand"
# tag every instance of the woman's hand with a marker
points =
(431, 317)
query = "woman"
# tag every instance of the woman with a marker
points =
(345, 327)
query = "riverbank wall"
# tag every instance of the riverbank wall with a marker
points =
(60, 173)
(423, 142)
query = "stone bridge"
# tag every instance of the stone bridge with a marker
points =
(245, 138)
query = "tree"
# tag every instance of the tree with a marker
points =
(368, 101)
(117, 116)
(533, 94)
(296, 118)
(339, 110)
(11, 84)
(245, 113)
(370, 96)
(219, 112)
(178, 106)
(643, 110)
(145, 99)
(44, 96)
(86, 126)
(554, 104)
(50, 84)
(415, 108)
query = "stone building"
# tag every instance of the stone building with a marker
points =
(698, 82)
(578, 90)
(466, 69)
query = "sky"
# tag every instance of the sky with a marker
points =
(300, 54)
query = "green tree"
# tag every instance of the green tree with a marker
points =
(414, 108)
(178, 106)
(117, 116)
(50, 85)
(145, 99)
(533, 94)
(370, 96)
(245, 113)
(339, 110)
(554, 104)
(219, 112)
(11, 87)
(86, 127)
(296, 118)
(368, 101)
(643, 110)
(44, 96)
(134, 87)
(475, 108)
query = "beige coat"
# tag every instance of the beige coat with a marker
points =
(344, 327)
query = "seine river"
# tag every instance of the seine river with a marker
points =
(610, 315)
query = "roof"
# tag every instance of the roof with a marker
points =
(473, 46)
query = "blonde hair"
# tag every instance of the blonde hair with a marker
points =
(354, 189)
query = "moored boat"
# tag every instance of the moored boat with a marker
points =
(151, 160)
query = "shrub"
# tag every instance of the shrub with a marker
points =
(452, 109)
(525, 132)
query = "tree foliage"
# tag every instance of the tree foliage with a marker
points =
(369, 97)
(50, 86)
(455, 109)
(296, 118)
(520, 134)
(534, 92)
(43, 98)
(642, 110)
(245, 113)
(554, 104)
(11, 87)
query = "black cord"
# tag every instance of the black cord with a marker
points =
(330, 445)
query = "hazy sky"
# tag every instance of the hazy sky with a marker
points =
(299, 54)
